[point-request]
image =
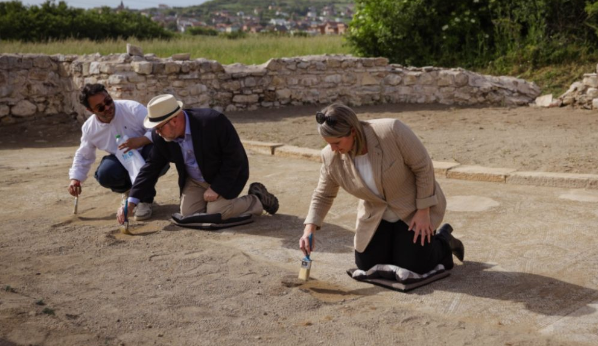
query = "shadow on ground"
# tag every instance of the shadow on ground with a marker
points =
(537, 293)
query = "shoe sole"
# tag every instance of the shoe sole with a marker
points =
(259, 190)
(210, 222)
(141, 218)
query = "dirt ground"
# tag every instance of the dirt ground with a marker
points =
(76, 280)
(524, 138)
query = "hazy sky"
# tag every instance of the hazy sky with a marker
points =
(132, 4)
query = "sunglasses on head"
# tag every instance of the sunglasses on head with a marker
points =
(322, 118)
(102, 106)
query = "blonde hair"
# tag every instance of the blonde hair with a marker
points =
(344, 120)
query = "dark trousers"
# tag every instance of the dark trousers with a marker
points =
(393, 244)
(112, 175)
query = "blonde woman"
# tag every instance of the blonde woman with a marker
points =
(384, 164)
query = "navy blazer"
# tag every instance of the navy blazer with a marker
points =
(218, 152)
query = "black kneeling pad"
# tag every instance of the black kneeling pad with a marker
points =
(209, 221)
(397, 278)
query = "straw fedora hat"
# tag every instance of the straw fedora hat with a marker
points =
(161, 109)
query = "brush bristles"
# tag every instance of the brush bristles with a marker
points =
(304, 274)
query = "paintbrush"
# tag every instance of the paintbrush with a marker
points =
(306, 263)
(77, 187)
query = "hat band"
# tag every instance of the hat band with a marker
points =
(164, 117)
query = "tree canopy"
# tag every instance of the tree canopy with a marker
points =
(474, 32)
(51, 21)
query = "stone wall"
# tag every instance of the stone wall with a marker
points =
(39, 84)
(35, 84)
(582, 94)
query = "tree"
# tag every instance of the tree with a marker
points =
(471, 32)
(53, 21)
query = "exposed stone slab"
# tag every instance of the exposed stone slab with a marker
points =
(471, 203)
(570, 180)
(298, 152)
(479, 173)
(267, 148)
(441, 168)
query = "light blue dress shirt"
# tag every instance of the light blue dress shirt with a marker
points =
(186, 144)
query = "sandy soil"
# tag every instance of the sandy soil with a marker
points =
(76, 280)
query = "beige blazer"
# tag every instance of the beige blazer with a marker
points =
(403, 174)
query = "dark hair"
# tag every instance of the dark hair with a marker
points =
(90, 90)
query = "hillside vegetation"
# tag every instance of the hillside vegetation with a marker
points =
(543, 40)
(57, 21)
(550, 42)
(290, 7)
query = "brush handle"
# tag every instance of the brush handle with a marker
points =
(310, 238)
(126, 211)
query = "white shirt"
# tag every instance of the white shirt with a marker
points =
(128, 120)
(364, 167)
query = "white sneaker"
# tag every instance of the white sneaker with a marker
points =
(143, 211)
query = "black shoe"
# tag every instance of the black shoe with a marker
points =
(445, 232)
(269, 201)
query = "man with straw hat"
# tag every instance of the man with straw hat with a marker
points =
(211, 162)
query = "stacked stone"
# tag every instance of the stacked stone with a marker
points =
(582, 94)
(195, 82)
(455, 86)
(33, 85)
(359, 81)
(48, 85)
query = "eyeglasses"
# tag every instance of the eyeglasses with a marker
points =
(321, 118)
(102, 106)
(161, 127)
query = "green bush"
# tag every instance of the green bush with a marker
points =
(198, 30)
(53, 21)
(420, 32)
(235, 35)
(300, 34)
(472, 33)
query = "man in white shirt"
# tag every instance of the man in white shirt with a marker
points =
(111, 118)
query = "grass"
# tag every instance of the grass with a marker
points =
(556, 79)
(253, 49)
(552, 79)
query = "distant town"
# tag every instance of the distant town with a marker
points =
(330, 19)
